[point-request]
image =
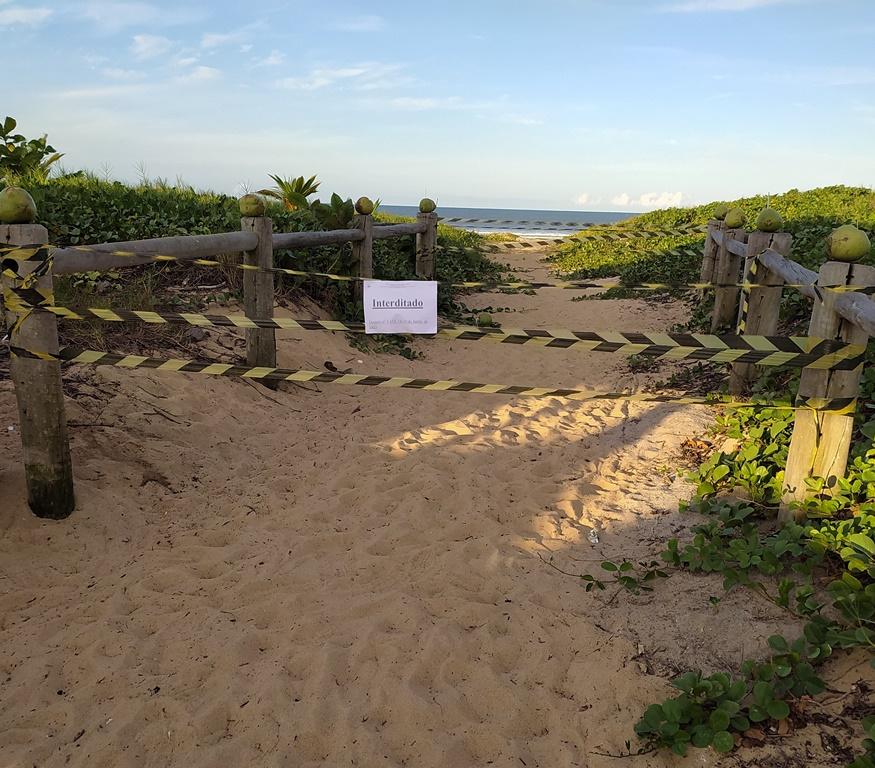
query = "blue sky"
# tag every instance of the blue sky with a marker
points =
(561, 104)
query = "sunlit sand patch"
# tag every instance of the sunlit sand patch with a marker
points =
(514, 423)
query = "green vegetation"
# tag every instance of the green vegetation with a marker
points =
(21, 157)
(821, 570)
(292, 193)
(80, 208)
(809, 216)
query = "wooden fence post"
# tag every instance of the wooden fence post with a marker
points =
(709, 259)
(759, 310)
(726, 270)
(48, 468)
(821, 440)
(258, 292)
(426, 242)
(363, 250)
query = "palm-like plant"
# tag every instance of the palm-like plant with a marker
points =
(293, 193)
(20, 158)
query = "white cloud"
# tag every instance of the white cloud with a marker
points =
(700, 6)
(648, 200)
(583, 199)
(25, 16)
(115, 15)
(366, 76)
(199, 75)
(526, 120)
(149, 46)
(246, 47)
(100, 93)
(239, 36)
(371, 23)
(424, 103)
(660, 199)
(274, 59)
(125, 75)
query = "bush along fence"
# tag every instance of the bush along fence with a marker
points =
(821, 440)
(37, 382)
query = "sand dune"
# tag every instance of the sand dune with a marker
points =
(356, 577)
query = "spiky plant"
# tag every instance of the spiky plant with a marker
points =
(293, 193)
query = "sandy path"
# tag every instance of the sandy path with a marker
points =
(350, 577)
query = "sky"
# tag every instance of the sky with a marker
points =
(555, 104)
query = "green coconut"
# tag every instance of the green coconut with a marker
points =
(16, 206)
(485, 319)
(364, 206)
(734, 219)
(847, 243)
(251, 206)
(720, 211)
(769, 220)
(427, 205)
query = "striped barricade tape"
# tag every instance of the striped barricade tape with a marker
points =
(584, 227)
(15, 254)
(797, 352)
(744, 304)
(92, 357)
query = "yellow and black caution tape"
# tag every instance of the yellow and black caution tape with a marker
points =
(749, 280)
(92, 357)
(15, 254)
(587, 229)
(797, 352)
(531, 243)
(27, 286)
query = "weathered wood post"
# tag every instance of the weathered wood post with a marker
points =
(258, 292)
(426, 241)
(821, 439)
(759, 310)
(363, 250)
(709, 259)
(726, 270)
(48, 468)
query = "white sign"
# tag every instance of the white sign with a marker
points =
(400, 306)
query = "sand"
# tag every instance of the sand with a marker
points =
(354, 577)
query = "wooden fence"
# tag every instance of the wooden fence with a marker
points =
(821, 440)
(43, 424)
(820, 443)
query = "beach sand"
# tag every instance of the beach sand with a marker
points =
(356, 577)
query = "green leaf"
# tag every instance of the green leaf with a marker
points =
(609, 566)
(778, 643)
(737, 690)
(673, 710)
(723, 742)
(778, 710)
(757, 714)
(719, 720)
(719, 473)
(702, 736)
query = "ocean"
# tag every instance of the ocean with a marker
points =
(521, 222)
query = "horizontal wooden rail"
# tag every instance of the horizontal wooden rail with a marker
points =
(282, 241)
(857, 308)
(790, 272)
(382, 231)
(69, 261)
(737, 247)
